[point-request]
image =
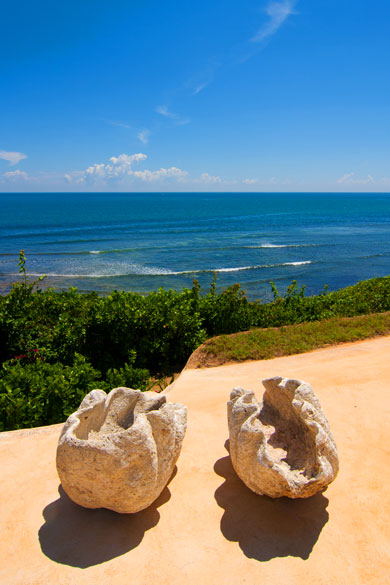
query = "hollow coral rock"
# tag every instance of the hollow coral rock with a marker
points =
(119, 450)
(283, 446)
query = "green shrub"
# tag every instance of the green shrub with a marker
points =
(226, 312)
(162, 328)
(38, 393)
(119, 339)
(127, 376)
(46, 320)
(35, 393)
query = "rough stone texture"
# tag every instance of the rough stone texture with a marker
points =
(119, 450)
(284, 446)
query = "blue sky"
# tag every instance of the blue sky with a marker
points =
(146, 95)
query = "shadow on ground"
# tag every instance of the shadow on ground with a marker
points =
(79, 537)
(266, 528)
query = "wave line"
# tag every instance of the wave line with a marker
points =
(154, 271)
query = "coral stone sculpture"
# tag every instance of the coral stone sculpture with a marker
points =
(119, 450)
(284, 446)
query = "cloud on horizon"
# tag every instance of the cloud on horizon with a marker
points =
(172, 172)
(16, 176)
(12, 157)
(206, 178)
(121, 167)
(350, 179)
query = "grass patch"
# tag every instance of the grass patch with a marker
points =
(262, 344)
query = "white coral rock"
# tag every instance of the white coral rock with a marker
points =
(119, 450)
(284, 446)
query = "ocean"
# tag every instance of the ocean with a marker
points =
(143, 241)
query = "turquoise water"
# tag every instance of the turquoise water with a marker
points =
(139, 242)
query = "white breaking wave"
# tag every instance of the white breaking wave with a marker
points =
(296, 263)
(137, 270)
(274, 246)
(281, 246)
(240, 268)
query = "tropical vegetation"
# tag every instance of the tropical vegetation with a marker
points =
(57, 345)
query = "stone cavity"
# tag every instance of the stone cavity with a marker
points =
(118, 451)
(282, 446)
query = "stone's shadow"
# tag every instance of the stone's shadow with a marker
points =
(81, 537)
(266, 528)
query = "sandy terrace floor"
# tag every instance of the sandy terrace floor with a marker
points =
(207, 527)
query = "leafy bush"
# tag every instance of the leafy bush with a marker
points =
(35, 393)
(46, 320)
(38, 393)
(161, 328)
(159, 331)
(58, 345)
(227, 312)
(369, 296)
(127, 376)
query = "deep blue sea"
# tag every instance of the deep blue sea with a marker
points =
(140, 242)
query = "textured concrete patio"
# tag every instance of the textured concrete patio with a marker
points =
(207, 527)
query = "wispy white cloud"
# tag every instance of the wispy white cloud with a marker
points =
(199, 82)
(164, 111)
(351, 179)
(269, 182)
(39, 180)
(206, 178)
(143, 135)
(183, 121)
(16, 176)
(345, 178)
(77, 177)
(172, 172)
(204, 76)
(12, 157)
(278, 12)
(119, 124)
(369, 179)
(200, 87)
